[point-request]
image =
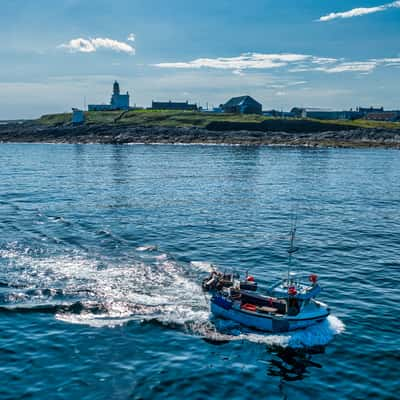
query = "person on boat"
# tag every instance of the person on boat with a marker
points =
(293, 302)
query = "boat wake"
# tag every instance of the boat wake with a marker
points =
(146, 287)
(102, 292)
(222, 331)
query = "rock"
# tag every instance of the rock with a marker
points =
(121, 134)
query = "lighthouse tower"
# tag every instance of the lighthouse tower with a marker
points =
(119, 101)
(116, 91)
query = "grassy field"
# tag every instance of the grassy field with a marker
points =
(187, 119)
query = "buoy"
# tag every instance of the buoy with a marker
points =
(313, 278)
(250, 278)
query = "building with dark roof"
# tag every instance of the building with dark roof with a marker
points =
(242, 105)
(171, 105)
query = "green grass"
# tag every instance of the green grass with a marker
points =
(362, 123)
(182, 118)
(95, 117)
(188, 119)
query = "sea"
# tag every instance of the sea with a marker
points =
(103, 249)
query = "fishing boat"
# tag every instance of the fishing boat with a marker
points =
(287, 305)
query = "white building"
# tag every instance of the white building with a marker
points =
(118, 101)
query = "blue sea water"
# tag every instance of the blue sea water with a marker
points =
(103, 248)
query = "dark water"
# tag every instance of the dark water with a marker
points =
(102, 249)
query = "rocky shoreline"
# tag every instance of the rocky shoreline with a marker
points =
(30, 132)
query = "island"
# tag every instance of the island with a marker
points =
(200, 127)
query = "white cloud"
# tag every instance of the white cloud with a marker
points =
(293, 62)
(131, 37)
(358, 12)
(388, 60)
(244, 61)
(238, 72)
(91, 45)
(297, 83)
(287, 84)
(323, 60)
(358, 66)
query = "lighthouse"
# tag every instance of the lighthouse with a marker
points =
(118, 101)
(116, 91)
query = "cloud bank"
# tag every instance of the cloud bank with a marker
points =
(91, 45)
(295, 63)
(358, 12)
(247, 61)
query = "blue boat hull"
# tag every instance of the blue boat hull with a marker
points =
(222, 308)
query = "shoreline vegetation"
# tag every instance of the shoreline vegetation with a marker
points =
(188, 127)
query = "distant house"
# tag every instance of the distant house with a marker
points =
(171, 105)
(242, 105)
(383, 116)
(366, 110)
(331, 115)
(324, 114)
(118, 101)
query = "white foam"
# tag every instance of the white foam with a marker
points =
(93, 321)
(139, 292)
(147, 248)
(202, 265)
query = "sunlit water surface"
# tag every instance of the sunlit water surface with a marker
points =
(103, 248)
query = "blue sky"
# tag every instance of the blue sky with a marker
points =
(326, 53)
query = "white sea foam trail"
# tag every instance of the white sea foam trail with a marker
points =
(162, 291)
(104, 292)
(153, 287)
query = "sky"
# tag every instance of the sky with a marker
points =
(306, 53)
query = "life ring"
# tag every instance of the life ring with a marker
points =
(249, 307)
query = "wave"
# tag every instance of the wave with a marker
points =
(51, 308)
(147, 248)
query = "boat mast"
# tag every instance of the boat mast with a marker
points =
(292, 249)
